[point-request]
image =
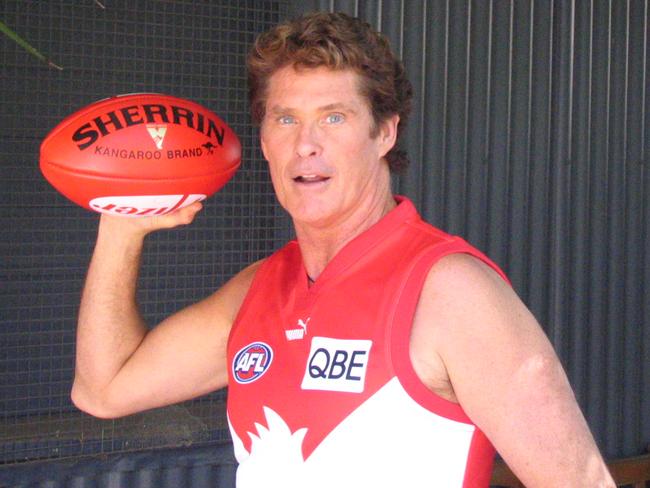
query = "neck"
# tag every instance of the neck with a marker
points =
(318, 245)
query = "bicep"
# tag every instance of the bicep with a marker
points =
(506, 374)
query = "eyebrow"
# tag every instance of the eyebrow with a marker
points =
(337, 106)
(277, 109)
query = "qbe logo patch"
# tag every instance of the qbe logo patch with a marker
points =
(251, 362)
(337, 365)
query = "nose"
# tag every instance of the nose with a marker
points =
(308, 141)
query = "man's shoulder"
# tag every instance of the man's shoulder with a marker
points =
(465, 276)
(464, 266)
(462, 296)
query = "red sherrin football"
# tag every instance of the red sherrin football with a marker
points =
(140, 154)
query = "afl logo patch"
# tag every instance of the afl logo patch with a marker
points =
(252, 362)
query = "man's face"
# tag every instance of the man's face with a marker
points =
(316, 136)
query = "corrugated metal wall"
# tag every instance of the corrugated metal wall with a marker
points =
(529, 138)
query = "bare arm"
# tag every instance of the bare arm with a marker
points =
(121, 367)
(502, 369)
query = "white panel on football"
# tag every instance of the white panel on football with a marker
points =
(143, 205)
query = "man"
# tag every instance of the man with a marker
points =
(375, 350)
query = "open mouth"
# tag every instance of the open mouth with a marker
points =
(310, 179)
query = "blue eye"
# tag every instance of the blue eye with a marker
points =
(286, 119)
(334, 118)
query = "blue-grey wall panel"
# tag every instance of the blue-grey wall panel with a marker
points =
(193, 467)
(529, 137)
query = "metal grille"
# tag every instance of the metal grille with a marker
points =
(189, 49)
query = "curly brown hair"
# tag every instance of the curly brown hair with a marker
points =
(337, 41)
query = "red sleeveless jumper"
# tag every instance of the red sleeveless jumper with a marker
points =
(322, 392)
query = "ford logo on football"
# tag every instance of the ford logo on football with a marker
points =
(252, 362)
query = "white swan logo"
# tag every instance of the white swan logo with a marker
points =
(275, 458)
(359, 451)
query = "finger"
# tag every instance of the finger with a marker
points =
(181, 216)
(186, 214)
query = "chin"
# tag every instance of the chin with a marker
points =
(310, 213)
(311, 218)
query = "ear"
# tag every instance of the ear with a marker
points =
(388, 134)
(262, 141)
